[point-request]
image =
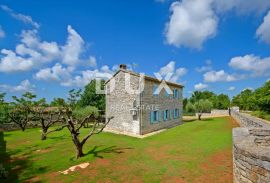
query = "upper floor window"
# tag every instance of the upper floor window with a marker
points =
(175, 93)
(155, 90)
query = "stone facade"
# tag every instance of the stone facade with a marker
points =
(131, 111)
(251, 150)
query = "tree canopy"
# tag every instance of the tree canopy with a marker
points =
(89, 97)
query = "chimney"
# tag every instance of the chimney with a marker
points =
(123, 66)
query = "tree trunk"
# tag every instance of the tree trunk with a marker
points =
(22, 127)
(79, 146)
(44, 133)
(199, 116)
(79, 151)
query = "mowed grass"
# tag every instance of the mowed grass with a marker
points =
(198, 151)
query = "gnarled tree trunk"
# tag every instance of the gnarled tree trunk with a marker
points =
(44, 133)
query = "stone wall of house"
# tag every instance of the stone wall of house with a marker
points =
(160, 102)
(251, 150)
(119, 103)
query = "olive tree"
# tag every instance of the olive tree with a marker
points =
(202, 106)
(21, 110)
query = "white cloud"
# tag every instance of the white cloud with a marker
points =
(21, 17)
(200, 86)
(242, 6)
(258, 66)
(2, 32)
(170, 73)
(263, 31)
(32, 53)
(88, 75)
(24, 86)
(205, 68)
(64, 75)
(231, 88)
(92, 61)
(216, 76)
(73, 48)
(56, 73)
(29, 53)
(191, 23)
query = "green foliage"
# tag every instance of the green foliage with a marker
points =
(190, 108)
(91, 98)
(3, 109)
(185, 101)
(58, 102)
(22, 110)
(261, 97)
(221, 101)
(202, 95)
(261, 114)
(244, 100)
(81, 113)
(203, 106)
(74, 96)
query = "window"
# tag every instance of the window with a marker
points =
(175, 93)
(154, 116)
(166, 115)
(167, 93)
(176, 113)
(155, 90)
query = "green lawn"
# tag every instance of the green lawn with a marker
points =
(261, 114)
(198, 151)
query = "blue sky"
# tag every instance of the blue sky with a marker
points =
(50, 47)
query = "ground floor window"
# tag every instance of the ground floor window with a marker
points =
(154, 116)
(166, 115)
(176, 113)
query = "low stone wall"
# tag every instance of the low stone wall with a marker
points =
(251, 150)
(13, 126)
(220, 112)
(246, 120)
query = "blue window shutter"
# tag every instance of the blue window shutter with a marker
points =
(159, 115)
(164, 115)
(151, 116)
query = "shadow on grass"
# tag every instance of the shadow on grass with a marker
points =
(57, 138)
(12, 168)
(196, 120)
(97, 150)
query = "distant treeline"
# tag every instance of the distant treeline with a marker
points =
(254, 100)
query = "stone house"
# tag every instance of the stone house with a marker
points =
(141, 104)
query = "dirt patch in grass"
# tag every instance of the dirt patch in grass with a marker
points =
(41, 151)
(218, 168)
(232, 122)
(173, 180)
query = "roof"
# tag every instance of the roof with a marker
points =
(146, 77)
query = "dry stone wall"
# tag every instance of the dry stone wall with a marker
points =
(251, 150)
